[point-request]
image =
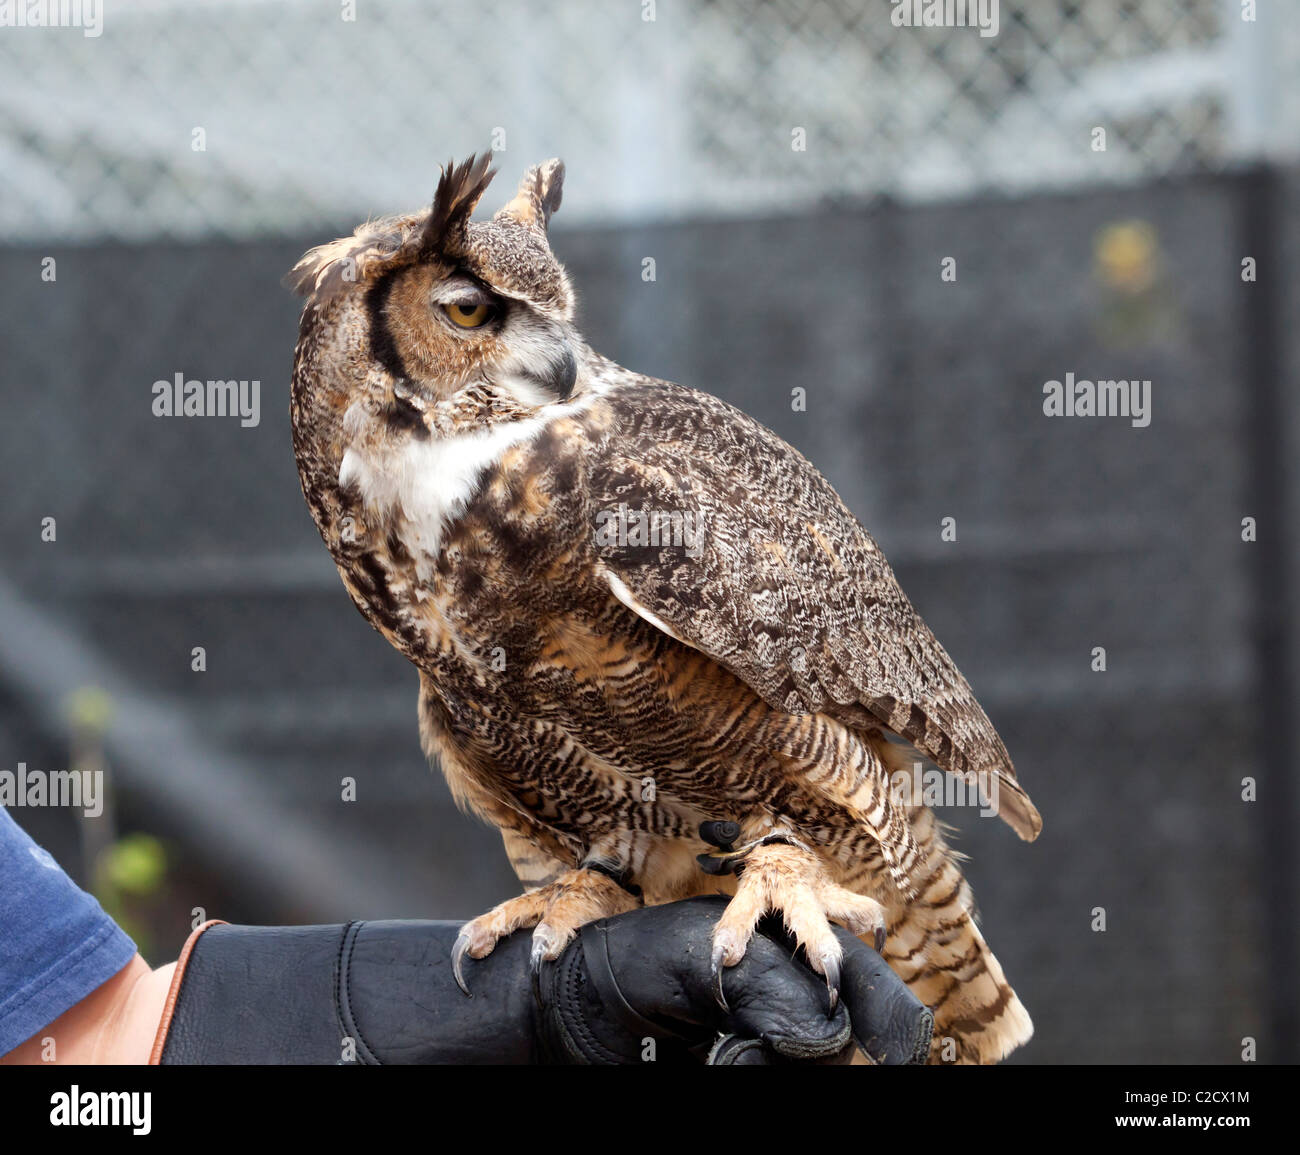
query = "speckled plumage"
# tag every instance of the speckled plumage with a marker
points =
(595, 696)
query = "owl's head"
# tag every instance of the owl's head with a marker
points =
(445, 301)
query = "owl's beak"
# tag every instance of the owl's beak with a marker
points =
(560, 375)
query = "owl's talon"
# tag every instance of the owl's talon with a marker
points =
(785, 878)
(458, 952)
(831, 969)
(535, 973)
(557, 911)
(715, 973)
(548, 944)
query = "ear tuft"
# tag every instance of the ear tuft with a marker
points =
(460, 188)
(539, 194)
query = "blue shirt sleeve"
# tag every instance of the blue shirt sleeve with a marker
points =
(56, 943)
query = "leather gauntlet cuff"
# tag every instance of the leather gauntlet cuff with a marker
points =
(364, 993)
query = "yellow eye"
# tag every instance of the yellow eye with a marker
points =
(469, 316)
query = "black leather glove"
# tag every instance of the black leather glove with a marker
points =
(629, 989)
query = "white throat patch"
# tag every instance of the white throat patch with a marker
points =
(427, 483)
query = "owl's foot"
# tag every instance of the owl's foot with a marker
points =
(783, 876)
(556, 912)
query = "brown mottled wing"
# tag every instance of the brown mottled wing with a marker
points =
(781, 584)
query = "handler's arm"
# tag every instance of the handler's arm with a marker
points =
(115, 1023)
(73, 988)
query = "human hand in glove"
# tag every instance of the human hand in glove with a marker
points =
(629, 989)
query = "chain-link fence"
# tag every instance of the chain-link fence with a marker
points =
(246, 117)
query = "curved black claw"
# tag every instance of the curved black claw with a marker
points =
(715, 973)
(832, 971)
(535, 961)
(457, 960)
(880, 939)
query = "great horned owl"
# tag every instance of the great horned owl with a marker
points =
(655, 649)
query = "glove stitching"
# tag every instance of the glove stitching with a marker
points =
(727, 1049)
(924, 1037)
(794, 1047)
(576, 1032)
(352, 1028)
(338, 984)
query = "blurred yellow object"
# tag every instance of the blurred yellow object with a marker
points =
(89, 708)
(1127, 256)
(134, 865)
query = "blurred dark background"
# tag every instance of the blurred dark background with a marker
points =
(773, 269)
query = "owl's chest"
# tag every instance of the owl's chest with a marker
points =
(605, 711)
(407, 494)
(552, 701)
(448, 543)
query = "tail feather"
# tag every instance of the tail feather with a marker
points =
(977, 1016)
(936, 947)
